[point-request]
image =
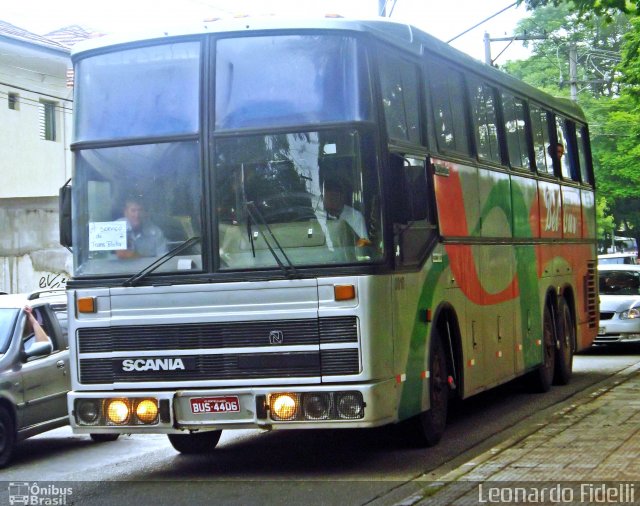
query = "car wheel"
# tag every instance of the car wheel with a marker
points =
(104, 438)
(196, 443)
(7, 436)
(564, 346)
(427, 428)
(541, 379)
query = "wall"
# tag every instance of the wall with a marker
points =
(32, 169)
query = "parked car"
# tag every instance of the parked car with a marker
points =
(619, 303)
(34, 375)
(628, 258)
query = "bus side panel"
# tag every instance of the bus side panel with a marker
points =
(526, 226)
(498, 282)
(588, 214)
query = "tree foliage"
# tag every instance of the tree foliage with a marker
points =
(601, 8)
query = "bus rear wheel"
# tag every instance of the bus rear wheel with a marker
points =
(541, 379)
(428, 427)
(564, 346)
(195, 443)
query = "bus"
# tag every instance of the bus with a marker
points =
(316, 223)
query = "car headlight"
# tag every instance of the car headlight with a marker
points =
(630, 314)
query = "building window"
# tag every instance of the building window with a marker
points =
(48, 120)
(13, 101)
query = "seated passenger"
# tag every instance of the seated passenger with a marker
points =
(144, 239)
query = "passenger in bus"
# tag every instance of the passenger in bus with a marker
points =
(34, 328)
(334, 199)
(144, 239)
(558, 153)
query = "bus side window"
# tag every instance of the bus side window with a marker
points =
(515, 131)
(540, 131)
(583, 158)
(564, 137)
(400, 98)
(483, 106)
(448, 99)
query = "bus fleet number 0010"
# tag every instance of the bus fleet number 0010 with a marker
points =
(215, 405)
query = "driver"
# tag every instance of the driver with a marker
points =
(334, 199)
(144, 239)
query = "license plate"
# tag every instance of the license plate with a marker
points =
(601, 331)
(203, 405)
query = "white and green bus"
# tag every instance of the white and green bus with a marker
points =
(325, 223)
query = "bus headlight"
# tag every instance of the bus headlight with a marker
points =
(147, 411)
(316, 406)
(88, 411)
(283, 406)
(118, 411)
(350, 405)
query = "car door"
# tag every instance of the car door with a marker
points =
(45, 379)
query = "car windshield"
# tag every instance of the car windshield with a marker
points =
(620, 283)
(7, 321)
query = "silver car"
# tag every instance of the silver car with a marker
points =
(34, 375)
(619, 303)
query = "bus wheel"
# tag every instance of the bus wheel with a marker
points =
(103, 438)
(541, 379)
(564, 346)
(196, 443)
(428, 427)
(7, 437)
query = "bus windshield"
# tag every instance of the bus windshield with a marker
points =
(264, 184)
(310, 195)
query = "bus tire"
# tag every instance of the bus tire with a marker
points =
(428, 427)
(103, 438)
(7, 436)
(195, 443)
(541, 379)
(564, 346)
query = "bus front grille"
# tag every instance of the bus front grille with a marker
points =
(220, 367)
(194, 336)
(214, 362)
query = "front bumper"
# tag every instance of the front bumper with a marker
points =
(176, 411)
(616, 330)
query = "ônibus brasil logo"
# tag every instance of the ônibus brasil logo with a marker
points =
(153, 364)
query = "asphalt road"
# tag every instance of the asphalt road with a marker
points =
(297, 467)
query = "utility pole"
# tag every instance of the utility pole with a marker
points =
(382, 8)
(573, 71)
(488, 40)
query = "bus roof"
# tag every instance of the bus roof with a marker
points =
(404, 36)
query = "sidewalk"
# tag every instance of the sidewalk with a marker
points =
(577, 453)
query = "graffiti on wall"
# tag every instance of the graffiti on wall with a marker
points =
(53, 281)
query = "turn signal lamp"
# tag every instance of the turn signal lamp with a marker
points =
(344, 292)
(118, 411)
(283, 406)
(86, 305)
(147, 411)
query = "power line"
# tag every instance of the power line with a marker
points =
(481, 22)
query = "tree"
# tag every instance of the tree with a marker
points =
(601, 8)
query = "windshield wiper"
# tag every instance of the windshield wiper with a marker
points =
(289, 270)
(133, 280)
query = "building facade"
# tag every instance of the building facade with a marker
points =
(35, 161)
